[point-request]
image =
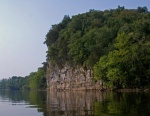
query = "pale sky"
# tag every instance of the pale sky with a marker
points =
(24, 24)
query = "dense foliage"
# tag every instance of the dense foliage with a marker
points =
(114, 43)
(35, 80)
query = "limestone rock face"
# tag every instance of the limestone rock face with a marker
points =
(70, 78)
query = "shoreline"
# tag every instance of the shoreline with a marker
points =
(104, 90)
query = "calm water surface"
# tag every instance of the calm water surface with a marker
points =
(25, 103)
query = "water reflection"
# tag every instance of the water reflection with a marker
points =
(29, 102)
(98, 104)
(74, 103)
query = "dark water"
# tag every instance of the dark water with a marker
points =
(25, 103)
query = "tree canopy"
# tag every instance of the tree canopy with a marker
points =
(114, 43)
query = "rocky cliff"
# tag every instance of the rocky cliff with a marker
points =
(71, 78)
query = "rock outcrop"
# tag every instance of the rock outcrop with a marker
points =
(71, 78)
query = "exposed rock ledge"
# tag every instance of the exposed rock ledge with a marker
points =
(71, 78)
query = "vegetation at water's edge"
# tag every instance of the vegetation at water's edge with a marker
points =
(114, 43)
(34, 81)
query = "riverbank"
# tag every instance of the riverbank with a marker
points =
(134, 90)
(95, 88)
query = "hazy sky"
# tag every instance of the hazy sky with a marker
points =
(24, 24)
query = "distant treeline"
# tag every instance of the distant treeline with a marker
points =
(34, 81)
(114, 43)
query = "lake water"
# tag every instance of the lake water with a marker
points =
(25, 103)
